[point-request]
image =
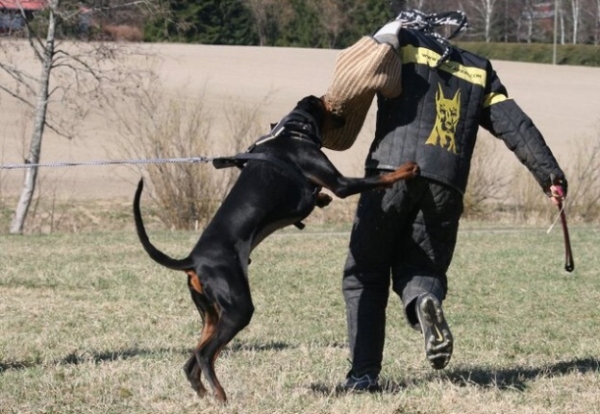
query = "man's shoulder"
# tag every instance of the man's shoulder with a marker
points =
(418, 39)
(470, 58)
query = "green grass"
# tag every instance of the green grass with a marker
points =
(88, 324)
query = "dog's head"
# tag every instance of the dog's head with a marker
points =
(317, 109)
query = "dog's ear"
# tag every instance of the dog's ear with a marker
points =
(310, 101)
(314, 106)
(314, 100)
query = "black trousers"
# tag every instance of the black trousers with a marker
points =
(407, 232)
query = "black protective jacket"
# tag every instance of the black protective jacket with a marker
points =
(436, 118)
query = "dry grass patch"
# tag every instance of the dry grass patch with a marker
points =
(90, 325)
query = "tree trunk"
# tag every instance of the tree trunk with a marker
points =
(488, 6)
(597, 36)
(561, 17)
(35, 145)
(597, 23)
(575, 10)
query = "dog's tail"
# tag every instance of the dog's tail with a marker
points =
(153, 252)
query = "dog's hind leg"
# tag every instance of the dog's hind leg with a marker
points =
(209, 320)
(194, 366)
(231, 322)
(193, 372)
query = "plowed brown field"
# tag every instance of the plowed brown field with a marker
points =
(564, 102)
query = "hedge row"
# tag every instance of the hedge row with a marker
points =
(578, 55)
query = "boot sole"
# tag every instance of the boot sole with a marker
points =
(437, 335)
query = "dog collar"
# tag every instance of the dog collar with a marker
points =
(297, 124)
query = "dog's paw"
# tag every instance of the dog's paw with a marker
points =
(406, 171)
(323, 200)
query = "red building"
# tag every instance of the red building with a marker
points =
(14, 13)
(18, 5)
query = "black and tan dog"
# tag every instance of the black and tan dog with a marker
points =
(279, 185)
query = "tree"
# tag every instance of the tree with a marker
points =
(367, 16)
(300, 29)
(528, 14)
(590, 22)
(269, 17)
(332, 20)
(485, 12)
(512, 12)
(597, 23)
(576, 17)
(223, 22)
(71, 80)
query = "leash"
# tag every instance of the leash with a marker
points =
(193, 160)
(428, 23)
(218, 162)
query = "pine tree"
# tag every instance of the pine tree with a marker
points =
(224, 22)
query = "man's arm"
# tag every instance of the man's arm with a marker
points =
(371, 65)
(506, 120)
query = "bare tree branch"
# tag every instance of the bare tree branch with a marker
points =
(17, 96)
(74, 79)
(19, 76)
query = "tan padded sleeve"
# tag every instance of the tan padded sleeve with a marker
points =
(361, 70)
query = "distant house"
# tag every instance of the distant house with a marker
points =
(27, 5)
(13, 13)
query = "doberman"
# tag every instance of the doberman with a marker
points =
(279, 185)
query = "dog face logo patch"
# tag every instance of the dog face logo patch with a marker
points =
(446, 120)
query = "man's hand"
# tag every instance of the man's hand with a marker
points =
(557, 194)
(389, 34)
(558, 190)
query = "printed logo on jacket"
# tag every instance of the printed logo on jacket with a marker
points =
(446, 120)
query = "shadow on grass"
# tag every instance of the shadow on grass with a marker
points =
(503, 379)
(79, 357)
(75, 358)
(516, 378)
(256, 347)
(16, 365)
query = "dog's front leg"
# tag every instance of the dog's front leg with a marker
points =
(319, 169)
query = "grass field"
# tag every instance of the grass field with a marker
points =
(88, 324)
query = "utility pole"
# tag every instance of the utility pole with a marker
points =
(555, 31)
